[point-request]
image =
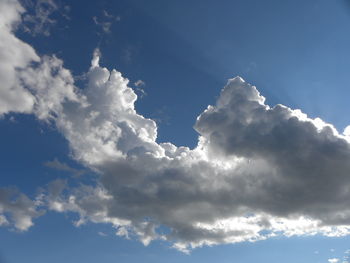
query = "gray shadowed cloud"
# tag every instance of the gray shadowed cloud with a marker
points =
(18, 210)
(57, 165)
(256, 172)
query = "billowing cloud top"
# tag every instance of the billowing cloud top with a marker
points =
(256, 172)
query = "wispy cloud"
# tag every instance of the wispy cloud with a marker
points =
(105, 21)
(56, 164)
(39, 16)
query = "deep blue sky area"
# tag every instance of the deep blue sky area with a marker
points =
(296, 53)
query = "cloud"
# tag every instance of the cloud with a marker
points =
(15, 55)
(306, 159)
(106, 21)
(333, 260)
(17, 210)
(29, 84)
(139, 83)
(256, 172)
(140, 91)
(102, 234)
(56, 164)
(38, 19)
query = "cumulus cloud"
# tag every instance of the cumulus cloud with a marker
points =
(306, 159)
(256, 172)
(17, 210)
(333, 260)
(29, 84)
(14, 55)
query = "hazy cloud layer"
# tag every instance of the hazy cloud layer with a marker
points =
(256, 172)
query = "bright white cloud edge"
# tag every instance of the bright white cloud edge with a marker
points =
(256, 172)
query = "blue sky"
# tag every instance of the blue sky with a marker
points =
(93, 168)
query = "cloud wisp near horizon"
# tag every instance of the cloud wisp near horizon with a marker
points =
(256, 172)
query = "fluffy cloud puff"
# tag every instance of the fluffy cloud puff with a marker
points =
(309, 168)
(17, 210)
(14, 55)
(256, 172)
(29, 84)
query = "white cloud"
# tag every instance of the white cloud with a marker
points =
(29, 83)
(15, 55)
(3, 220)
(140, 91)
(256, 172)
(333, 260)
(102, 234)
(38, 18)
(347, 131)
(105, 21)
(17, 210)
(139, 83)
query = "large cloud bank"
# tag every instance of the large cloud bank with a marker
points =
(256, 172)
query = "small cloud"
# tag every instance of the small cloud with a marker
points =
(56, 164)
(102, 234)
(110, 16)
(139, 83)
(105, 21)
(12, 119)
(106, 26)
(3, 220)
(122, 232)
(141, 92)
(17, 210)
(333, 260)
(332, 249)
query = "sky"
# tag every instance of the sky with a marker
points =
(174, 131)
